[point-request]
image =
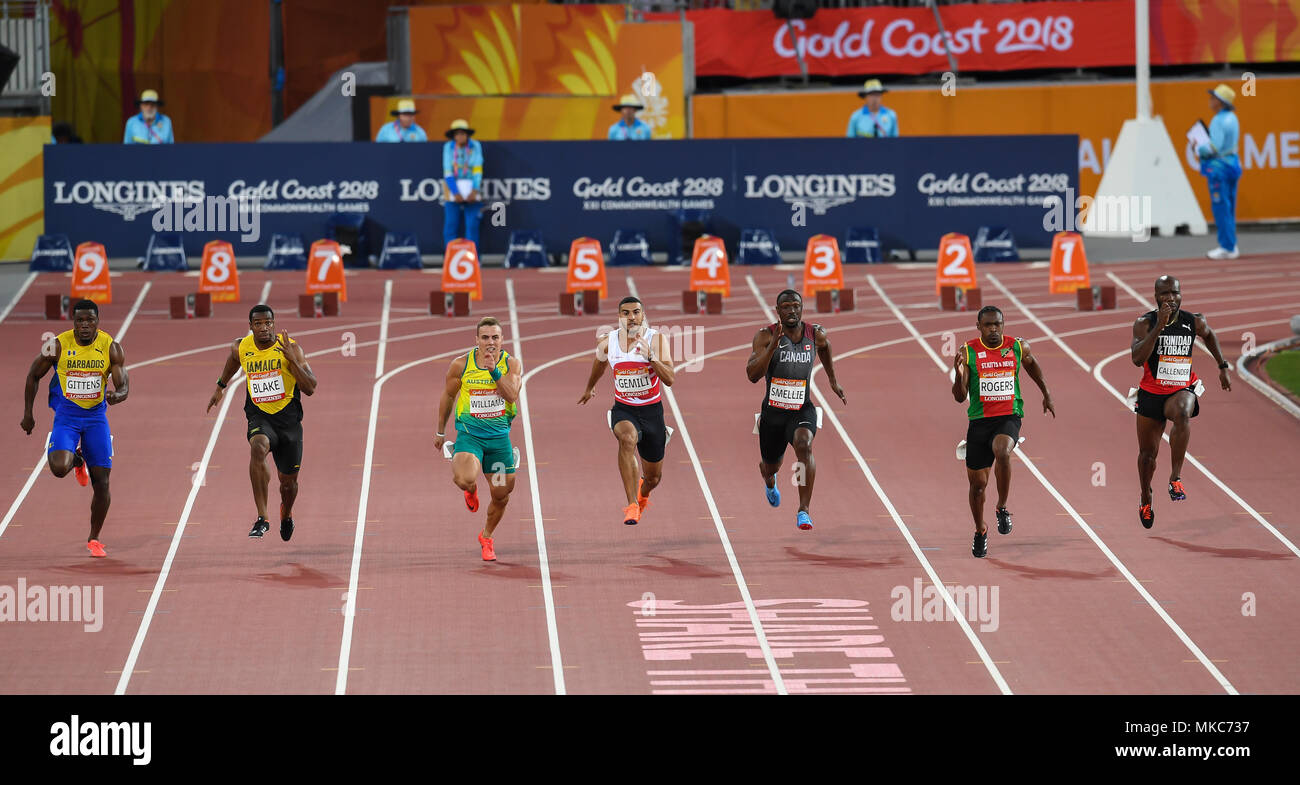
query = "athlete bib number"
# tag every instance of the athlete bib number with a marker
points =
(998, 388)
(633, 382)
(82, 385)
(787, 393)
(266, 387)
(1174, 370)
(486, 404)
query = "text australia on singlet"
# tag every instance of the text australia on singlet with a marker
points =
(1175, 363)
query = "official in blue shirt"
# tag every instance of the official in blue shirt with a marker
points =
(404, 128)
(872, 120)
(1222, 170)
(628, 127)
(149, 126)
(462, 172)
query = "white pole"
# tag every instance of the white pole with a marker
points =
(1142, 30)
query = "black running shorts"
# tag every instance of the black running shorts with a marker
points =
(285, 438)
(776, 430)
(979, 438)
(1152, 405)
(649, 423)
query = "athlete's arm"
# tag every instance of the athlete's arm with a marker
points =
(661, 359)
(824, 352)
(510, 382)
(961, 376)
(1144, 338)
(227, 372)
(1035, 371)
(1212, 343)
(297, 362)
(40, 366)
(449, 393)
(597, 368)
(765, 344)
(117, 369)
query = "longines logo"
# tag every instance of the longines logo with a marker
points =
(820, 191)
(127, 198)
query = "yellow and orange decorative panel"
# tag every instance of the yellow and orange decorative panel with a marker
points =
(22, 184)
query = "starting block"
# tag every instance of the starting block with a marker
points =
(757, 415)
(57, 305)
(1096, 298)
(448, 452)
(580, 303)
(701, 302)
(449, 303)
(955, 298)
(668, 429)
(191, 306)
(314, 306)
(834, 300)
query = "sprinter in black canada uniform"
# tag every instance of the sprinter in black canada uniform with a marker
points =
(783, 354)
(1163, 341)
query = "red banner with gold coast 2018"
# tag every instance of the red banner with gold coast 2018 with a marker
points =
(1000, 37)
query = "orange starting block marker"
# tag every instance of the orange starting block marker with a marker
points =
(1069, 266)
(90, 274)
(325, 269)
(710, 271)
(956, 266)
(218, 275)
(460, 269)
(822, 268)
(586, 267)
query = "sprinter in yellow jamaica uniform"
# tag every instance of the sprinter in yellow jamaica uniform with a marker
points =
(276, 375)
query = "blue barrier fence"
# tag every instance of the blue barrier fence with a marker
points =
(913, 190)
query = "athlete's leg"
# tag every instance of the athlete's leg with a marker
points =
(802, 441)
(1178, 410)
(259, 446)
(64, 437)
(1003, 444)
(500, 498)
(60, 462)
(464, 471)
(288, 492)
(979, 479)
(1149, 431)
(651, 474)
(100, 501)
(627, 439)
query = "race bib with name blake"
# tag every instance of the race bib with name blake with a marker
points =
(788, 393)
(1001, 387)
(632, 382)
(486, 404)
(82, 385)
(266, 386)
(1174, 370)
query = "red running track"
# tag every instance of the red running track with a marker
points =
(715, 591)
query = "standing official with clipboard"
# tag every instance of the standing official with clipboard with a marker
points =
(462, 170)
(1217, 150)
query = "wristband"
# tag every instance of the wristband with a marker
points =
(440, 434)
(495, 374)
(1225, 365)
(221, 384)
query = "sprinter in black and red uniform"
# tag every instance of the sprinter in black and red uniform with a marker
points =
(641, 360)
(1169, 389)
(783, 353)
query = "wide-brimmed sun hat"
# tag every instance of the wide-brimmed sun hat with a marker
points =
(148, 97)
(458, 125)
(1224, 94)
(404, 106)
(629, 101)
(871, 86)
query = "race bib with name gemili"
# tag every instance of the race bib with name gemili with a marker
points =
(486, 404)
(632, 382)
(1174, 370)
(82, 385)
(266, 387)
(788, 393)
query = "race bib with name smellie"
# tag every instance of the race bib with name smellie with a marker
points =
(788, 393)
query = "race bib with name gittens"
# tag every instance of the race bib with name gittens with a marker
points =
(82, 385)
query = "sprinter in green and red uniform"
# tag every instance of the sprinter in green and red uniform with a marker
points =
(987, 370)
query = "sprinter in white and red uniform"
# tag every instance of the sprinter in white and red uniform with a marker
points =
(1163, 341)
(783, 355)
(641, 361)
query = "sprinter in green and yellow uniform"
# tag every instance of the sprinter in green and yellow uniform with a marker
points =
(483, 385)
(276, 375)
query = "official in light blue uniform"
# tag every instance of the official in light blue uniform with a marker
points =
(1222, 170)
(404, 128)
(149, 126)
(872, 120)
(628, 126)
(462, 172)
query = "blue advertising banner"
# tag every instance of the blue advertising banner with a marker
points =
(911, 190)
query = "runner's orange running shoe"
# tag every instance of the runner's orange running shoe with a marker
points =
(642, 501)
(1147, 516)
(471, 500)
(96, 548)
(1176, 492)
(489, 553)
(632, 515)
(79, 469)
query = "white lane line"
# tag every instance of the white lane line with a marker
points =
(383, 328)
(130, 317)
(266, 292)
(19, 295)
(543, 558)
(939, 585)
(777, 682)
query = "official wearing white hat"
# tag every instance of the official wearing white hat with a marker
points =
(628, 126)
(872, 120)
(1222, 170)
(149, 126)
(462, 173)
(404, 128)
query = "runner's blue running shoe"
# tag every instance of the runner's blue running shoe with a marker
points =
(803, 521)
(773, 495)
